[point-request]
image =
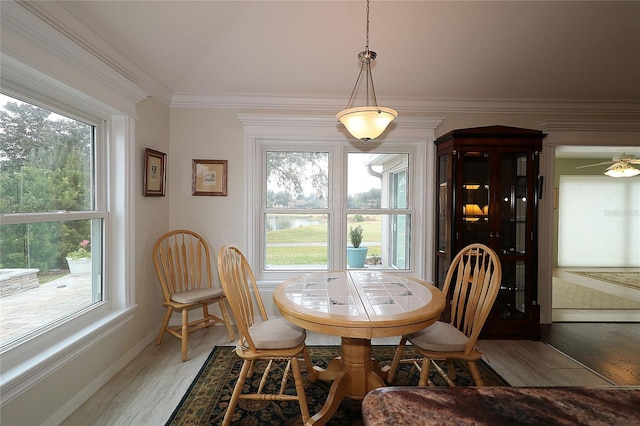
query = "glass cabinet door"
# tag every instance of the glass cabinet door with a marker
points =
(513, 203)
(443, 242)
(443, 202)
(512, 238)
(475, 198)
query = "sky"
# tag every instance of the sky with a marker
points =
(358, 179)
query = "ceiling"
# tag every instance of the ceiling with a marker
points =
(532, 51)
(426, 49)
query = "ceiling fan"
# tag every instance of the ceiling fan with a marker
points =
(619, 166)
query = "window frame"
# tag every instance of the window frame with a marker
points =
(393, 193)
(387, 192)
(47, 349)
(337, 208)
(265, 146)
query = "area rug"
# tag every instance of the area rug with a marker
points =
(568, 295)
(207, 398)
(626, 279)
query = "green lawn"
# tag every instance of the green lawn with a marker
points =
(318, 233)
(303, 234)
(297, 255)
(314, 255)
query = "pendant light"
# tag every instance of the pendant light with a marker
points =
(367, 122)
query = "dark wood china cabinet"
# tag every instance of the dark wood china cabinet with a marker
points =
(487, 192)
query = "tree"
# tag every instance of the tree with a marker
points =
(24, 134)
(45, 165)
(292, 172)
(372, 199)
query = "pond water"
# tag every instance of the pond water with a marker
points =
(276, 223)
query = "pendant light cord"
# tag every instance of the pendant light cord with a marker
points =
(366, 47)
(365, 58)
(369, 121)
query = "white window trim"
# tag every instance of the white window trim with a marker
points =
(415, 198)
(418, 131)
(45, 352)
(262, 146)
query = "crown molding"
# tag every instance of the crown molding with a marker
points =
(591, 133)
(326, 125)
(591, 125)
(18, 78)
(405, 106)
(65, 46)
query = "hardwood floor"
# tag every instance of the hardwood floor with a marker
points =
(147, 390)
(611, 349)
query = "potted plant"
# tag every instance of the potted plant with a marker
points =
(79, 260)
(356, 255)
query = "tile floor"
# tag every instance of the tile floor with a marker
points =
(147, 390)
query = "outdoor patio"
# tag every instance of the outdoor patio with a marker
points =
(27, 310)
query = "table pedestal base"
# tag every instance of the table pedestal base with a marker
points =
(354, 374)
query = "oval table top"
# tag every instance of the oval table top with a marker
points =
(359, 304)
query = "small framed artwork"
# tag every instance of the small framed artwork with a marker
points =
(209, 177)
(155, 175)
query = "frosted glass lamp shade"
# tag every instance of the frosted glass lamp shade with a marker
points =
(367, 122)
(622, 171)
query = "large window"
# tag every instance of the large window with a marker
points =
(296, 211)
(332, 207)
(51, 236)
(378, 202)
(598, 221)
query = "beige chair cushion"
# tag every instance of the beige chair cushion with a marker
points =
(439, 337)
(197, 295)
(276, 334)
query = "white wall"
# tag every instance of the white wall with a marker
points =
(151, 216)
(208, 135)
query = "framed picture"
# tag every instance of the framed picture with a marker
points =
(155, 175)
(209, 177)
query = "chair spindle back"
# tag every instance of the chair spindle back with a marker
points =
(183, 262)
(241, 290)
(476, 274)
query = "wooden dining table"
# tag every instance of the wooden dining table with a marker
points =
(356, 305)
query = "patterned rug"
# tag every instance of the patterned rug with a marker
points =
(568, 295)
(626, 279)
(206, 399)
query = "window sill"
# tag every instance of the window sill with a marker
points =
(26, 364)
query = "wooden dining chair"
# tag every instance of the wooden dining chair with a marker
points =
(183, 263)
(472, 282)
(259, 337)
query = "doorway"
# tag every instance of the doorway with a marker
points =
(596, 222)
